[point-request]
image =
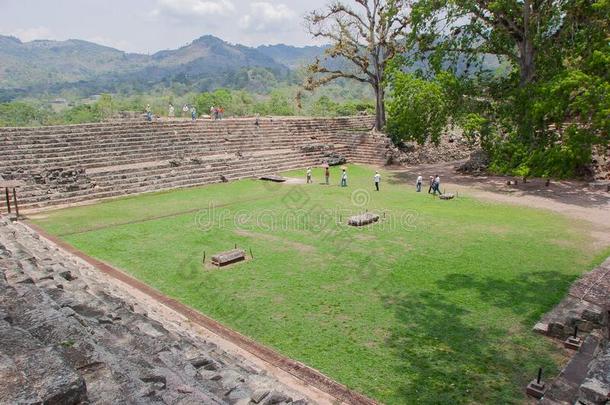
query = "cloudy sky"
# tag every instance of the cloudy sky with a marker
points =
(151, 25)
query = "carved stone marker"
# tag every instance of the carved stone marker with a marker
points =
(363, 219)
(273, 177)
(229, 257)
(447, 196)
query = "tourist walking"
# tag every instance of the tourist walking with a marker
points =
(193, 113)
(344, 178)
(185, 110)
(419, 182)
(172, 111)
(431, 184)
(309, 175)
(377, 179)
(436, 185)
(148, 113)
(327, 174)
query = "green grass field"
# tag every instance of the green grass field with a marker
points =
(434, 304)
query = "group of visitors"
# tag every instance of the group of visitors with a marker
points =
(343, 182)
(434, 181)
(217, 112)
(171, 112)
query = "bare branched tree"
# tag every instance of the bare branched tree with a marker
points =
(367, 36)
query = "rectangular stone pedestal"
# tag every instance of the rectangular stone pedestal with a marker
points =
(229, 257)
(573, 343)
(535, 390)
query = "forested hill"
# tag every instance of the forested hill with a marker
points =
(49, 67)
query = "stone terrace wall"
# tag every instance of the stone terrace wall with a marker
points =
(70, 164)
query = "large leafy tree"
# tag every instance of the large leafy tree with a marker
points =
(364, 36)
(552, 105)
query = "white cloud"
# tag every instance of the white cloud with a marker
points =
(193, 8)
(30, 34)
(265, 16)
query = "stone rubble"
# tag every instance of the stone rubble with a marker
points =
(67, 336)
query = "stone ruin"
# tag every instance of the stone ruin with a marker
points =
(229, 257)
(363, 219)
(586, 377)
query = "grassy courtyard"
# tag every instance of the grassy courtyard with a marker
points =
(433, 304)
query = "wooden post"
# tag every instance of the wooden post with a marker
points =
(15, 201)
(8, 200)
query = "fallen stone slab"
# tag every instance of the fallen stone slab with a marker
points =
(274, 178)
(363, 219)
(229, 257)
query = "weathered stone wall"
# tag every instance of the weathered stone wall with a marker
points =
(600, 165)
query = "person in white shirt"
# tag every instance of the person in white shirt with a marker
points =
(172, 111)
(344, 179)
(419, 182)
(309, 175)
(377, 179)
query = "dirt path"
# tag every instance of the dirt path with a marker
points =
(571, 198)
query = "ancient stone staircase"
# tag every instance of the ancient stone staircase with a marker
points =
(70, 164)
(68, 336)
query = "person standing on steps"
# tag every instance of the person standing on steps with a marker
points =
(418, 183)
(172, 111)
(193, 113)
(309, 175)
(185, 110)
(344, 178)
(377, 179)
(148, 113)
(327, 174)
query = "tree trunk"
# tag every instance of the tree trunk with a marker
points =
(526, 48)
(379, 107)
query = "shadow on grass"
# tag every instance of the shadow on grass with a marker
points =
(450, 354)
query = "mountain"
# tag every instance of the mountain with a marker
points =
(50, 67)
(292, 56)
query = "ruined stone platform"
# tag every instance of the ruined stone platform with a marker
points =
(68, 336)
